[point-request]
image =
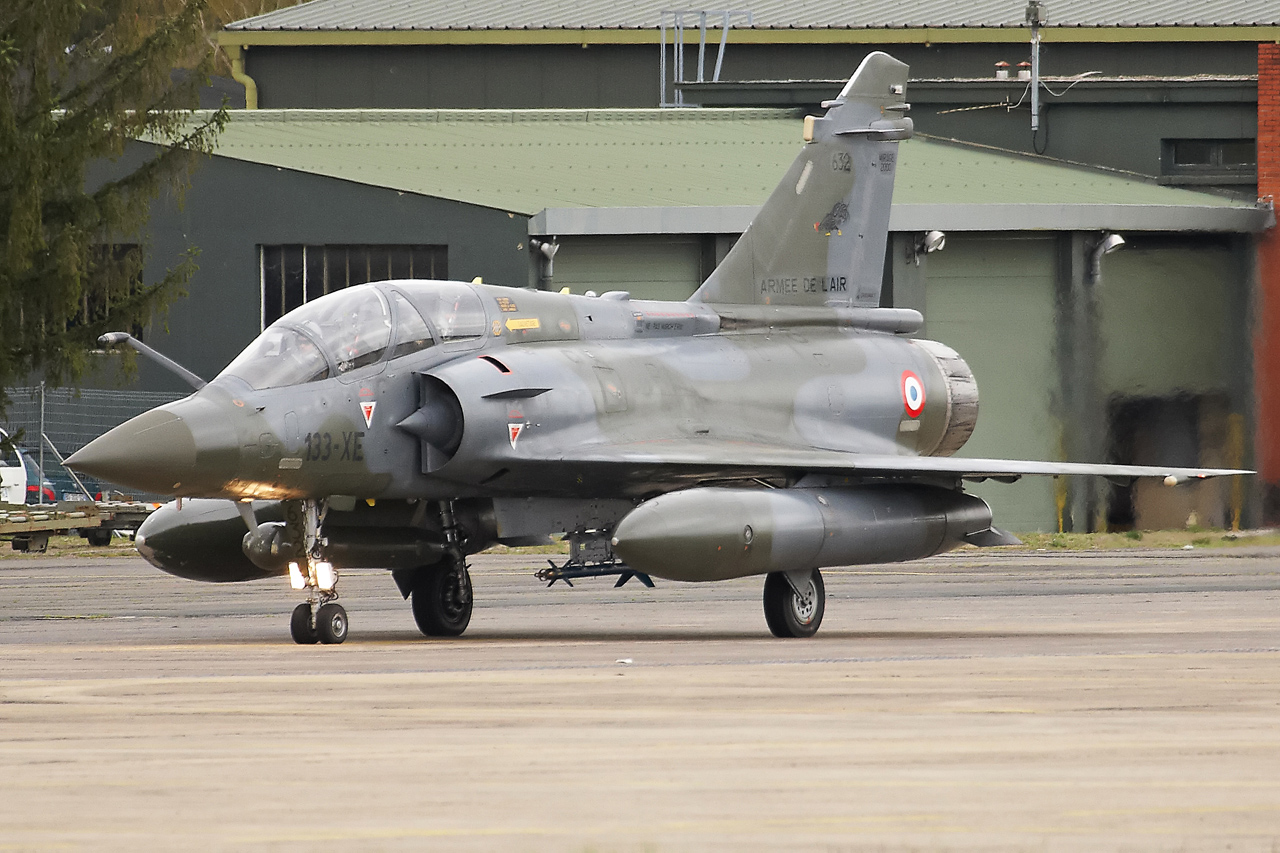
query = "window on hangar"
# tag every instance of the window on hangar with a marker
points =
(1209, 161)
(293, 275)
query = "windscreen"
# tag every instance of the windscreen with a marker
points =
(353, 328)
(280, 356)
(353, 325)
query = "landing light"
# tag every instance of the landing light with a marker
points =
(326, 577)
(296, 580)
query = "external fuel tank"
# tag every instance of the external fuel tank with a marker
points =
(710, 534)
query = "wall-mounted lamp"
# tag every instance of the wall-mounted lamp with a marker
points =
(1108, 244)
(548, 251)
(926, 243)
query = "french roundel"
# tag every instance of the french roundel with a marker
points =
(912, 393)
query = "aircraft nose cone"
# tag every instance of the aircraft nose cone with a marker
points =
(153, 452)
(187, 448)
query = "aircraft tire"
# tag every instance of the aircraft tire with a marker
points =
(331, 623)
(438, 607)
(300, 626)
(786, 613)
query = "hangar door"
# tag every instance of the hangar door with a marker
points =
(1165, 309)
(649, 267)
(1173, 367)
(992, 299)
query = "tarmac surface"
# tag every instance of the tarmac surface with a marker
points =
(976, 701)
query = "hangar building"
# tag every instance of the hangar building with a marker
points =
(1161, 88)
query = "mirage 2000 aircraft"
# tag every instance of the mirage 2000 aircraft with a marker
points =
(776, 422)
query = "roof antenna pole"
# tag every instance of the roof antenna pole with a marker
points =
(1034, 13)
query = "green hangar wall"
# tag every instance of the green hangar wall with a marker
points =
(1160, 337)
(991, 298)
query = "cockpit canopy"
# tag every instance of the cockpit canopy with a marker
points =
(357, 327)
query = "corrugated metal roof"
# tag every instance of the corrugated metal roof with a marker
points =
(766, 14)
(527, 160)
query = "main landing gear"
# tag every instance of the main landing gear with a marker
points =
(794, 602)
(442, 600)
(442, 592)
(320, 618)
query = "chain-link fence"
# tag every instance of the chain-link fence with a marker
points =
(71, 419)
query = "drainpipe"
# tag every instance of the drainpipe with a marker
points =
(235, 53)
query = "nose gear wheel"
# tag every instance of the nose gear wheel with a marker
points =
(319, 618)
(300, 626)
(331, 623)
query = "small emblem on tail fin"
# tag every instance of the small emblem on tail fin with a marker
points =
(838, 216)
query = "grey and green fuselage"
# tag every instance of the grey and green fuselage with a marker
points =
(777, 421)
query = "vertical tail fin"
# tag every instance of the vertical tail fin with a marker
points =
(820, 238)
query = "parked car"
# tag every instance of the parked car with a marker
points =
(45, 493)
(20, 472)
(13, 475)
(67, 490)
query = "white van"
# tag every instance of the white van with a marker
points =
(13, 475)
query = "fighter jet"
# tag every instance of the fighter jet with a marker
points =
(777, 422)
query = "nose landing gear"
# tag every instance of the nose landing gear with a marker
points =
(319, 618)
